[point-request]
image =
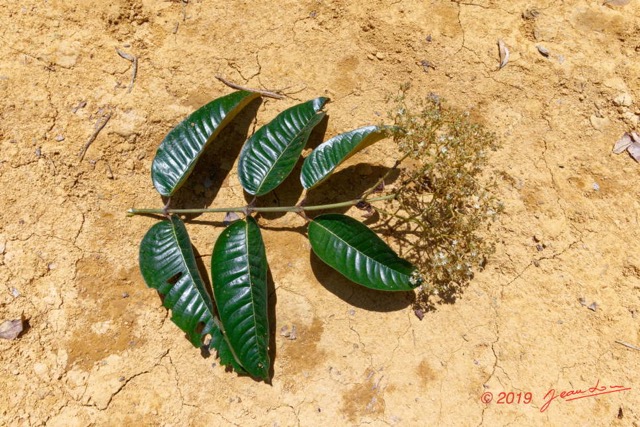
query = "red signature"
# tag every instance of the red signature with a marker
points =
(569, 395)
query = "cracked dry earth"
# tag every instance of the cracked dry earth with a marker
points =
(101, 350)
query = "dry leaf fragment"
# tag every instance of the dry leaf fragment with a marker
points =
(504, 53)
(10, 329)
(634, 150)
(292, 335)
(623, 143)
(617, 2)
(230, 217)
(629, 142)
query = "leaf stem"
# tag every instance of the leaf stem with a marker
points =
(249, 209)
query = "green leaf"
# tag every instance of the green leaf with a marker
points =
(356, 252)
(327, 156)
(168, 264)
(239, 272)
(271, 153)
(179, 151)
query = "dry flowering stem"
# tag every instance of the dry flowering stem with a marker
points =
(443, 204)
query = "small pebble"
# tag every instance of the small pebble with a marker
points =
(593, 306)
(623, 100)
(125, 295)
(595, 186)
(380, 56)
(14, 292)
(599, 123)
(543, 51)
(59, 138)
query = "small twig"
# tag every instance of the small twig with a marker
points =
(631, 346)
(266, 93)
(134, 61)
(184, 10)
(100, 124)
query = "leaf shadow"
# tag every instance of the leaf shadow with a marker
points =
(204, 274)
(334, 190)
(413, 246)
(289, 191)
(213, 167)
(357, 295)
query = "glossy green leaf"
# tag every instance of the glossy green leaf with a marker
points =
(327, 156)
(356, 252)
(270, 155)
(168, 264)
(239, 272)
(179, 151)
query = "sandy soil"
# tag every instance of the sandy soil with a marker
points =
(100, 349)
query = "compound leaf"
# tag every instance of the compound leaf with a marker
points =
(270, 155)
(179, 151)
(356, 252)
(327, 156)
(239, 272)
(168, 264)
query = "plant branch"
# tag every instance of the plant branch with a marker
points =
(249, 209)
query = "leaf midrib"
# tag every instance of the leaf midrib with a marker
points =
(367, 256)
(219, 324)
(284, 151)
(253, 306)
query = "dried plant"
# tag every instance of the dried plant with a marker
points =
(445, 199)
